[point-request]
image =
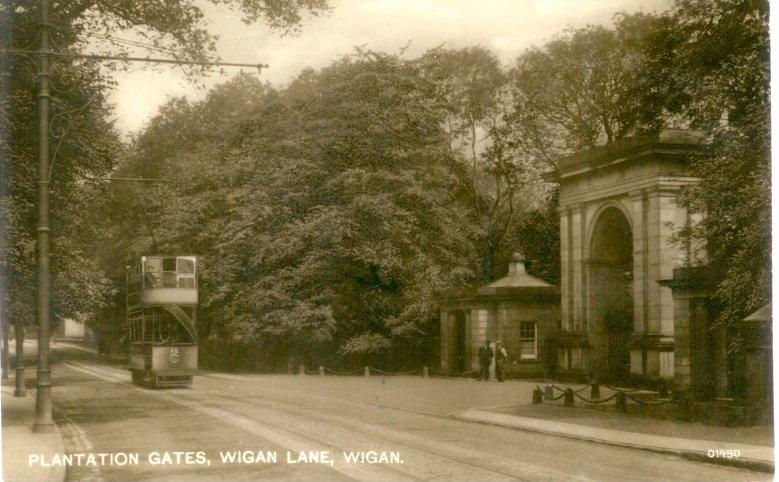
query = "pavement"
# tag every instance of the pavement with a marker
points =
(498, 404)
(18, 416)
(725, 451)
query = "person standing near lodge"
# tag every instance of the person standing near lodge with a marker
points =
(485, 360)
(500, 356)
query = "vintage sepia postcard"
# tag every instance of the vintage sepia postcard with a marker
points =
(385, 240)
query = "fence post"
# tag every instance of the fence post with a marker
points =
(425, 373)
(321, 371)
(538, 396)
(367, 372)
(686, 408)
(568, 400)
(662, 388)
(621, 402)
(548, 391)
(595, 391)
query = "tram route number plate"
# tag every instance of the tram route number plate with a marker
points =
(173, 356)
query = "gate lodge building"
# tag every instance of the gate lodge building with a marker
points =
(520, 310)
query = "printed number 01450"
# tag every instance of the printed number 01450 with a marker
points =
(729, 454)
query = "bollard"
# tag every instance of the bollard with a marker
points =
(621, 403)
(595, 391)
(568, 400)
(321, 371)
(302, 370)
(548, 391)
(425, 373)
(367, 372)
(662, 388)
(686, 407)
(538, 396)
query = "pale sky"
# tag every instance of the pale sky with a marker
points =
(506, 27)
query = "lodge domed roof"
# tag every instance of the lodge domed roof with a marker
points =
(517, 286)
(517, 277)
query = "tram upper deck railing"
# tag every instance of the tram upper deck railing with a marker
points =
(162, 280)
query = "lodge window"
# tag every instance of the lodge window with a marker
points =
(528, 340)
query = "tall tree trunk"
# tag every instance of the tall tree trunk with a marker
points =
(21, 389)
(5, 360)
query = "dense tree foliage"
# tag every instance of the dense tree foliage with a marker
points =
(589, 86)
(722, 60)
(584, 88)
(704, 64)
(326, 214)
(329, 213)
(88, 149)
(502, 183)
(84, 144)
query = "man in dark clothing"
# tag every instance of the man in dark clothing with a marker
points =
(485, 360)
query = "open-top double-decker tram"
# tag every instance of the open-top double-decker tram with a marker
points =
(161, 312)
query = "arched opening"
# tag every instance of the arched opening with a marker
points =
(611, 295)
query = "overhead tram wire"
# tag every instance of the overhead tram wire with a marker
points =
(133, 43)
(121, 42)
(127, 58)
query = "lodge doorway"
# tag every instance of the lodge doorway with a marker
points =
(460, 361)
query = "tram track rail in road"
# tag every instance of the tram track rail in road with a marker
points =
(302, 429)
(285, 413)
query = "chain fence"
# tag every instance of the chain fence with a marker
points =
(620, 396)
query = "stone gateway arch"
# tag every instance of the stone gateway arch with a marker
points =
(620, 219)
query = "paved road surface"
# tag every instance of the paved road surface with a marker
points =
(101, 412)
